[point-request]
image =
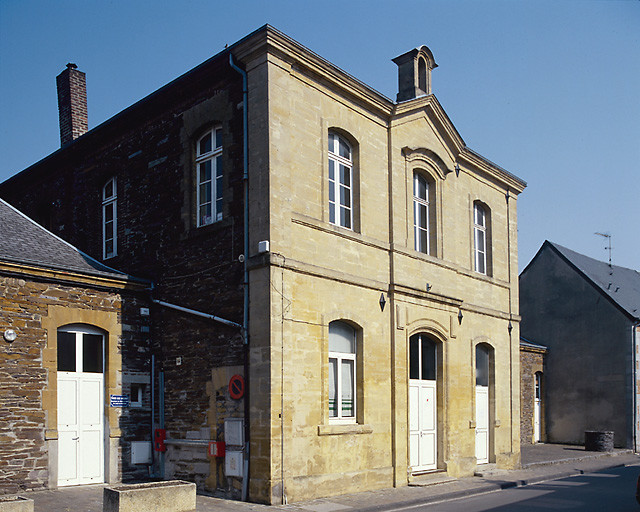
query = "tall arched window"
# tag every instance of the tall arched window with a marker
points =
(423, 214)
(209, 177)
(340, 181)
(342, 371)
(422, 75)
(481, 238)
(109, 219)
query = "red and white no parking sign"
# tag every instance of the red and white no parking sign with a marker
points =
(236, 387)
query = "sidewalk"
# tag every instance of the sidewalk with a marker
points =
(540, 462)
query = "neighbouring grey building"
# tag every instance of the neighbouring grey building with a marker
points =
(587, 313)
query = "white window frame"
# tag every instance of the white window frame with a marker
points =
(480, 233)
(110, 201)
(214, 182)
(418, 202)
(340, 358)
(340, 202)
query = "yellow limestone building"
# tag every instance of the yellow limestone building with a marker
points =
(383, 282)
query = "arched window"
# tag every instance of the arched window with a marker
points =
(422, 75)
(340, 181)
(423, 364)
(342, 371)
(209, 177)
(424, 216)
(109, 219)
(481, 238)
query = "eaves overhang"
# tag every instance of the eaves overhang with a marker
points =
(50, 274)
(270, 40)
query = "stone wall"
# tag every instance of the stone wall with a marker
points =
(28, 411)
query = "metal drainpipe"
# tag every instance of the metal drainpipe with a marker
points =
(245, 320)
(634, 391)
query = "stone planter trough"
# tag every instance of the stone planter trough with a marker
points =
(15, 504)
(169, 496)
(598, 441)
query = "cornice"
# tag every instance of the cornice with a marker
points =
(487, 167)
(66, 277)
(272, 41)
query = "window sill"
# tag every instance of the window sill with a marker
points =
(336, 430)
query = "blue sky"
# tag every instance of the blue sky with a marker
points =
(549, 90)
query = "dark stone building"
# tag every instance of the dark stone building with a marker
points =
(587, 313)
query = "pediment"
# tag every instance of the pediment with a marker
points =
(427, 157)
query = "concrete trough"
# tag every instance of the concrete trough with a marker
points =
(15, 504)
(169, 496)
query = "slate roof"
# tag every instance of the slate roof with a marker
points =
(620, 284)
(530, 344)
(23, 241)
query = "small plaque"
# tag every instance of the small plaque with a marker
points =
(119, 400)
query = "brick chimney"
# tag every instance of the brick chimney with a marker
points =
(414, 73)
(72, 104)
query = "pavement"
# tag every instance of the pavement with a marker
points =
(540, 463)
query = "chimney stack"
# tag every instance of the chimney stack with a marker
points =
(414, 73)
(72, 104)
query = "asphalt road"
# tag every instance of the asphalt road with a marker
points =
(609, 490)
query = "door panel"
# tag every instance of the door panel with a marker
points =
(482, 424)
(81, 412)
(423, 425)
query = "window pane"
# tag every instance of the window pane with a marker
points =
(423, 242)
(420, 187)
(345, 150)
(205, 193)
(345, 196)
(428, 359)
(422, 216)
(481, 266)
(205, 214)
(219, 166)
(92, 353)
(342, 338)
(347, 389)
(332, 143)
(482, 366)
(332, 191)
(108, 231)
(332, 213)
(479, 214)
(333, 386)
(108, 212)
(205, 171)
(414, 358)
(480, 240)
(205, 144)
(345, 217)
(108, 247)
(331, 170)
(66, 351)
(219, 188)
(219, 138)
(108, 190)
(345, 176)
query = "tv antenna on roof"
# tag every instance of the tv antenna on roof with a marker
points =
(608, 237)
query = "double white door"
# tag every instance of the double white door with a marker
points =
(80, 407)
(423, 439)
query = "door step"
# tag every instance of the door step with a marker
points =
(431, 478)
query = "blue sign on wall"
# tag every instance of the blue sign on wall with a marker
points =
(119, 400)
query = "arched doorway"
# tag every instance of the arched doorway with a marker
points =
(80, 383)
(423, 407)
(537, 408)
(483, 416)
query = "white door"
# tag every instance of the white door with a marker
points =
(423, 424)
(80, 406)
(482, 424)
(537, 410)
